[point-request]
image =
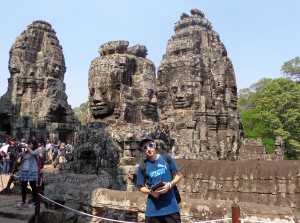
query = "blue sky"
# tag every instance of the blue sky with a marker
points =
(259, 35)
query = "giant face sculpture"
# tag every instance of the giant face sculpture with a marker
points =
(55, 68)
(15, 64)
(149, 108)
(107, 76)
(103, 96)
(182, 94)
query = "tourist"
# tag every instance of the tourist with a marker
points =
(5, 158)
(42, 152)
(55, 151)
(48, 151)
(13, 151)
(69, 148)
(62, 153)
(69, 151)
(161, 205)
(29, 171)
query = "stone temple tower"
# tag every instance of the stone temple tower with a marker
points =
(197, 93)
(35, 102)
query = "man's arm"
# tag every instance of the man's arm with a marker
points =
(2, 153)
(144, 189)
(176, 179)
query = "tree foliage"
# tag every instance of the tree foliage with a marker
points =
(280, 107)
(291, 69)
(255, 127)
(248, 97)
(273, 109)
(81, 112)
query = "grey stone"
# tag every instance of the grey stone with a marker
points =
(35, 101)
(197, 93)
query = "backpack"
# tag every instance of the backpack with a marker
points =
(39, 163)
(166, 157)
(55, 150)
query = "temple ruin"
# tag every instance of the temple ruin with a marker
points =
(190, 109)
(35, 102)
(197, 92)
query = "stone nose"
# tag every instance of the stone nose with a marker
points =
(153, 100)
(98, 96)
(180, 94)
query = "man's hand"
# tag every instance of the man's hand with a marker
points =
(155, 193)
(164, 189)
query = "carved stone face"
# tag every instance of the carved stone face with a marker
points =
(107, 76)
(150, 107)
(182, 94)
(15, 65)
(55, 69)
(102, 97)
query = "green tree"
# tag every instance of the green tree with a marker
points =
(279, 103)
(256, 128)
(291, 69)
(81, 112)
(248, 97)
(271, 108)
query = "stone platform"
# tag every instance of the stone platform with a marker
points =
(9, 211)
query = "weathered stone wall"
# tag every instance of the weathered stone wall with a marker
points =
(262, 182)
(253, 149)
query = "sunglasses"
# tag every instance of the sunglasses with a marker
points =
(151, 146)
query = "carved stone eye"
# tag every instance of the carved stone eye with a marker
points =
(174, 89)
(92, 91)
(118, 86)
(103, 91)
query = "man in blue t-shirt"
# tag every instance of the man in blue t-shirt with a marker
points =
(161, 206)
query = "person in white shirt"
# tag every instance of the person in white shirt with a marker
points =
(48, 151)
(6, 158)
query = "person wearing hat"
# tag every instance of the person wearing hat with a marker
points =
(161, 204)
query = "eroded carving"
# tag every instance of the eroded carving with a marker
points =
(36, 100)
(122, 85)
(197, 92)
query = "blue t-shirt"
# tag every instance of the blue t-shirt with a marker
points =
(157, 171)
